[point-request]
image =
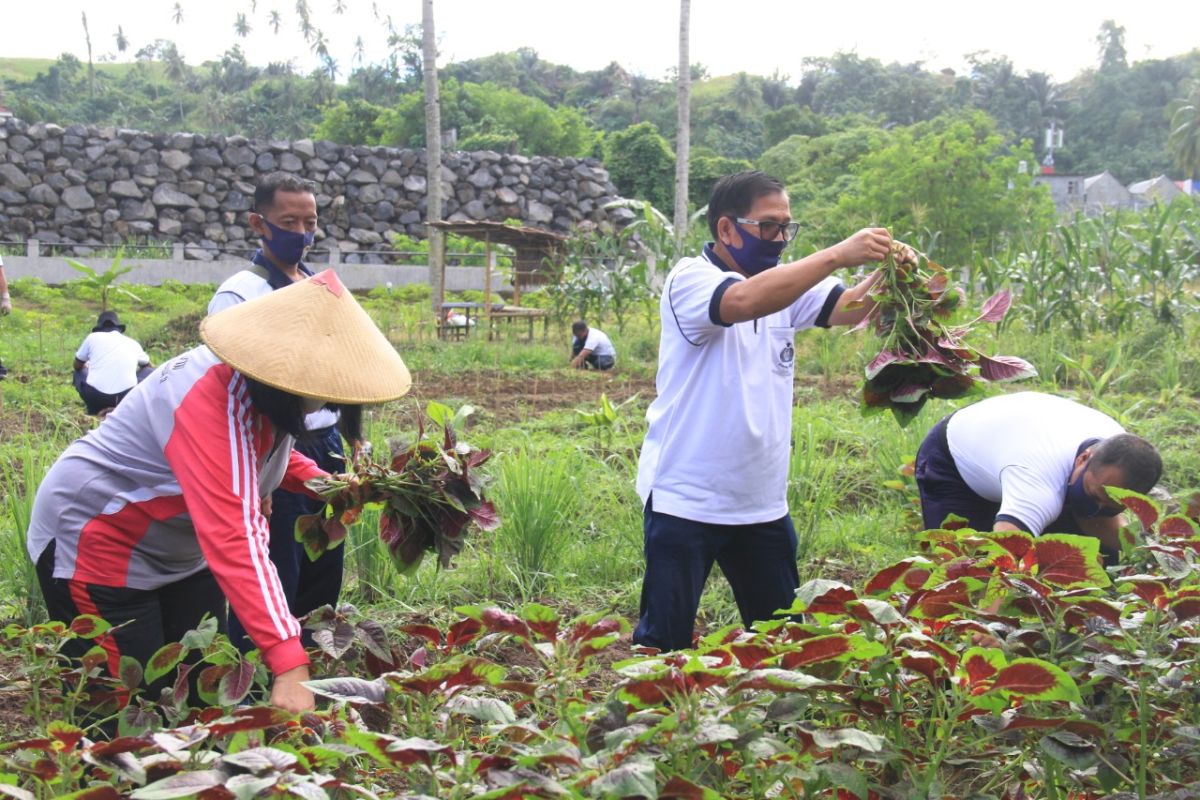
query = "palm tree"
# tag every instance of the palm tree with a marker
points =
(91, 70)
(177, 14)
(241, 27)
(122, 42)
(1184, 139)
(683, 89)
(275, 21)
(433, 155)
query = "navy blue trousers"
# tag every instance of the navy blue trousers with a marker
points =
(759, 561)
(307, 585)
(944, 492)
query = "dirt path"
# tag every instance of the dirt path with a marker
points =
(507, 397)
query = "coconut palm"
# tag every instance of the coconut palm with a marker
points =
(433, 154)
(1184, 139)
(683, 90)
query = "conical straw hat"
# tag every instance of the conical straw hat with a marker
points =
(310, 339)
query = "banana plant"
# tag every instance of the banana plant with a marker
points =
(104, 282)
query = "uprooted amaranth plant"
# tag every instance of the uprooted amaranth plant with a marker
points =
(923, 355)
(428, 493)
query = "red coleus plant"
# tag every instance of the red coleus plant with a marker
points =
(923, 355)
(428, 493)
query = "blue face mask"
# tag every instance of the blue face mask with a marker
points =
(756, 255)
(287, 246)
(1082, 504)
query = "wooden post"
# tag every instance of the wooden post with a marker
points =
(516, 276)
(487, 284)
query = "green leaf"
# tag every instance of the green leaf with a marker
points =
(844, 776)
(634, 778)
(851, 737)
(1034, 679)
(130, 672)
(201, 636)
(440, 413)
(165, 660)
(1069, 749)
(349, 690)
(484, 709)
(182, 784)
(236, 683)
(1068, 560)
(778, 680)
(89, 626)
(261, 759)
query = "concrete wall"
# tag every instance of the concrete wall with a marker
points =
(54, 270)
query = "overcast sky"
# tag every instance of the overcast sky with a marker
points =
(1054, 36)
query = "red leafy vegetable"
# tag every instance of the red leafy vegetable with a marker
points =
(428, 492)
(922, 355)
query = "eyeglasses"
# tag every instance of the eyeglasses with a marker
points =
(768, 229)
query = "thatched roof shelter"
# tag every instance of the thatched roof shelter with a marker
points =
(535, 250)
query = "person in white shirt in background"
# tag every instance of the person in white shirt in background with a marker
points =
(108, 365)
(591, 348)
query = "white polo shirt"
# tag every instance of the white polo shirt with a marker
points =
(247, 285)
(1019, 449)
(112, 361)
(599, 344)
(719, 436)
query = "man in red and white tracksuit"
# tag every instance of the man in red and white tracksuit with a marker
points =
(153, 518)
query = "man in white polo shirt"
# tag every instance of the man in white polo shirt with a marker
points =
(285, 219)
(1032, 462)
(108, 365)
(591, 348)
(713, 467)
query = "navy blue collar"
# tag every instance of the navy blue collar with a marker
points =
(275, 277)
(710, 255)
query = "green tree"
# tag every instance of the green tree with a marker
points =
(641, 164)
(1111, 41)
(349, 122)
(792, 120)
(952, 180)
(705, 169)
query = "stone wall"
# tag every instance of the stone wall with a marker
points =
(92, 186)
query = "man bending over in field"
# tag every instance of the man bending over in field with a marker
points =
(1033, 462)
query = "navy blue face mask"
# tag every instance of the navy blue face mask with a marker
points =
(287, 246)
(1082, 504)
(756, 255)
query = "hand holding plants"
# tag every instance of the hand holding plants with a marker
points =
(427, 492)
(867, 246)
(289, 692)
(923, 355)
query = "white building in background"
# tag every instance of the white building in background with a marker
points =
(1156, 190)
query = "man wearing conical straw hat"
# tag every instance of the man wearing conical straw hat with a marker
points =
(153, 519)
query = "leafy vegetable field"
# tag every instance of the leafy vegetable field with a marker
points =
(917, 664)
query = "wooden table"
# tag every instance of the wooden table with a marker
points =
(472, 312)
